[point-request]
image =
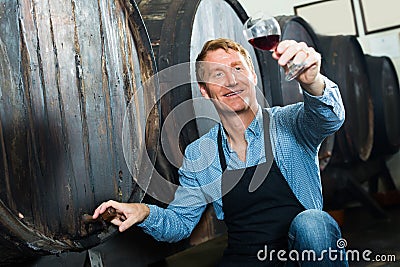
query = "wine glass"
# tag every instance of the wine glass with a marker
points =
(263, 32)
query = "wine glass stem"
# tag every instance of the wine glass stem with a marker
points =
(293, 70)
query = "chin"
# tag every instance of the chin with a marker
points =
(239, 109)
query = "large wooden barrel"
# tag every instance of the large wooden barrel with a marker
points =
(67, 72)
(178, 29)
(286, 93)
(345, 64)
(385, 93)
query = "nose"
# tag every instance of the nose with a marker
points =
(231, 79)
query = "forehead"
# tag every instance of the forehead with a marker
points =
(224, 57)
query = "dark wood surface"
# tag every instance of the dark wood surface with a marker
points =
(68, 71)
(345, 64)
(385, 92)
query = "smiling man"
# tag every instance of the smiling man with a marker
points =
(258, 167)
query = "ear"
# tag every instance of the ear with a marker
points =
(254, 78)
(204, 91)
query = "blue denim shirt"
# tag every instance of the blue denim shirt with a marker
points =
(296, 133)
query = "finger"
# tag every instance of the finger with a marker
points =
(313, 58)
(97, 211)
(120, 207)
(281, 48)
(127, 223)
(300, 57)
(103, 206)
(283, 45)
(313, 62)
(295, 51)
(116, 221)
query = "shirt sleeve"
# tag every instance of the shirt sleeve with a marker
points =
(311, 121)
(322, 115)
(177, 221)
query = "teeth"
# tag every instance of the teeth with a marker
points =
(233, 93)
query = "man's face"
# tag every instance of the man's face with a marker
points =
(229, 81)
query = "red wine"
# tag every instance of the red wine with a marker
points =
(268, 42)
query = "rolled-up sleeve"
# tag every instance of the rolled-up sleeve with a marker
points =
(177, 221)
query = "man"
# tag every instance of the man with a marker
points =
(259, 167)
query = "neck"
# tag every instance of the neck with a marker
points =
(235, 124)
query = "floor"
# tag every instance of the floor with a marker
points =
(361, 230)
(381, 236)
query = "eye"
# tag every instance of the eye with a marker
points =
(238, 68)
(218, 74)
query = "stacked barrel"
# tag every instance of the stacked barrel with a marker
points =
(78, 87)
(370, 90)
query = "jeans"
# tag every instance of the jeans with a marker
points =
(315, 232)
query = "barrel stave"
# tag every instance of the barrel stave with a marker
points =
(68, 72)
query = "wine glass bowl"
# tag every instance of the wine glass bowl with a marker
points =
(263, 32)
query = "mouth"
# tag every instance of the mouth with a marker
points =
(233, 93)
